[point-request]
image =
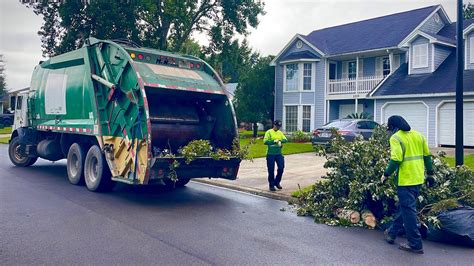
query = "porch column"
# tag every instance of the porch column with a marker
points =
(357, 76)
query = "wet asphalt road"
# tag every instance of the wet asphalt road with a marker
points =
(44, 219)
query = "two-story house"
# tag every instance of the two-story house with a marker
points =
(401, 64)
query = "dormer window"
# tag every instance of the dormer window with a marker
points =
(420, 55)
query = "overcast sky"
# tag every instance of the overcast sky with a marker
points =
(21, 46)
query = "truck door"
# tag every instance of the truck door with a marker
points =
(21, 108)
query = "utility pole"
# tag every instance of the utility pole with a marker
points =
(459, 86)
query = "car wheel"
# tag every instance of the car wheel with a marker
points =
(16, 157)
(96, 172)
(75, 164)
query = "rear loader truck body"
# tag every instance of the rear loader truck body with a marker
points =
(116, 111)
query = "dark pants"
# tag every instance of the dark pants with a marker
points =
(280, 161)
(406, 216)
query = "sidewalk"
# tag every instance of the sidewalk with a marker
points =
(300, 169)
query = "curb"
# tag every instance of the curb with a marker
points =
(254, 191)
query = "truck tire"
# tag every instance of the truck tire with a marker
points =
(75, 164)
(96, 171)
(16, 158)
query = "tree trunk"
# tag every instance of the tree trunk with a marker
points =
(255, 128)
(349, 215)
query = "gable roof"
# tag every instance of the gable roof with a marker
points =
(449, 30)
(299, 55)
(443, 80)
(377, 33)
(432, 37)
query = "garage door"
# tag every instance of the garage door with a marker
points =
(446, 124)
(415, 114)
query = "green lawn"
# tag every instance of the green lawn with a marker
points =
(248, 134)
(4, 140)
(302, 191)
(468, 161)
(6, 130)
(259, 150)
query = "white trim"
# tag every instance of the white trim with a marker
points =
(300, 78)
(408, 59)
(438, 106)
(375, 111)
(363, 51)
(440, 7)
(471, 50)
(467, 30)
(430, 95)
(422, 64)
(299, 116)
(427, 36)
(465, 54)
(305, 60)
(297, 36)
(432, 57)
(327, 64)
(382, 120)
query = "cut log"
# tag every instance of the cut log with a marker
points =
(369, 219)
(349, 215)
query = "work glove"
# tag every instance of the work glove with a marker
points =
(383, 179)
(430, 181)
(279, 143)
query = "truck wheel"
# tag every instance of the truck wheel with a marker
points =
(96, 171)
(16, 157)
(75, 164)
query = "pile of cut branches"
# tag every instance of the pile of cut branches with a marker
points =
(351, 193)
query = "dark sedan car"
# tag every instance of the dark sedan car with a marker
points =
(347, 128)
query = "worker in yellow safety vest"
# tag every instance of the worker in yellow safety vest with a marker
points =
(409, 156)
(274, 139)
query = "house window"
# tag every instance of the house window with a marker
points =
(332, 71)
(292, 77)
(471, 50)
(307, 71)
(352, 70)
(420, 55)
(291, 118)
(386, 66)
(306, 118)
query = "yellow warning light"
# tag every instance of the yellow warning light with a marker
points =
(132, 55)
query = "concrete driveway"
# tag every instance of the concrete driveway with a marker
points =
(301, 170)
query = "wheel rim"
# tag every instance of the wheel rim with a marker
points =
(17, 153)
(94, 165)
(74, 165)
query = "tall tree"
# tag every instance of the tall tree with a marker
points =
(3, 84)
(233, 59)
(254, 96)
(162, 24)
(468, 10)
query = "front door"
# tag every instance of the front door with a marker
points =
(21, 108)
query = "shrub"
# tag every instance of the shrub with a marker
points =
(299, 136)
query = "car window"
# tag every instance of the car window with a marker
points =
(338, 124)
(371, 124)
(362, 125)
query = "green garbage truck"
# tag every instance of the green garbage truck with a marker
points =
(118, 112)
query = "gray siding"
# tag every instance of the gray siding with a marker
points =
(469, 63)
(420, 40)
(369, 66)
(278, 92)
(316, 98)
(440, 54)
(432, 107)
(432, 26)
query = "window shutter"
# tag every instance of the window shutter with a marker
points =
(378, 66)
(396, 62)
(360, 68)
(345, 70)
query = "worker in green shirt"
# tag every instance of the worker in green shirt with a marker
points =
(409, 156)
(274, 139)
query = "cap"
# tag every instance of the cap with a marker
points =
(277, 123)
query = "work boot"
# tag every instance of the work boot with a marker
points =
(278, 186)
(406, 247)
(388, 238)
(272, 188)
